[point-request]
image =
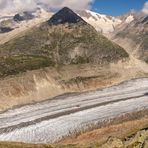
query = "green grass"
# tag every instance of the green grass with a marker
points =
(21, 63)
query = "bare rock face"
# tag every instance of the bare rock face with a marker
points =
(5, 29)
(22, 17)
(6, 26)
(65, 15)
(134, 36)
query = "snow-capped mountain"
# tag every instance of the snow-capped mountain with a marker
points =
(13, 24)
(27, 18)
(100, 22)
(9, 28)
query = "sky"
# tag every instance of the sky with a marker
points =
(117, 7)
(109, 7)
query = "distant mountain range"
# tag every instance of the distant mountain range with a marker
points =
(19, 20)
(100, 22)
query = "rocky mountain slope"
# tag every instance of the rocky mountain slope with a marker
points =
(133, 36)
(60, 41)
(64, 16)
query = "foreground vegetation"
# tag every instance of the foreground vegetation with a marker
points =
(21, 63)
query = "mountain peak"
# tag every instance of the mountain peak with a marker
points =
(65, 15)
(23, 16)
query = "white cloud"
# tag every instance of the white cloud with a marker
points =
(145, 8)
(19, 5)
(74, 4)
(16, 5)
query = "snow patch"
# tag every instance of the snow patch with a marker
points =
(101, 22)
(129, 19)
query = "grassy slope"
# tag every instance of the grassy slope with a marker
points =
(57, 45)
(16, 64)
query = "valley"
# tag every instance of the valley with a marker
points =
(37, 123)
(73, 78)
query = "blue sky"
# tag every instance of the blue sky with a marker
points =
(117, 7)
